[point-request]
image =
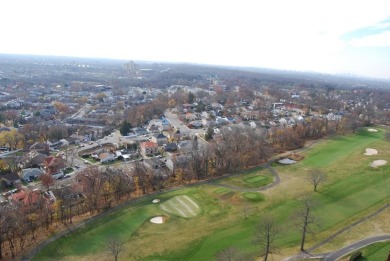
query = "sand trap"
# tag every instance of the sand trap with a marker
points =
(372, 130)
(370, 152)
(287, 161)
(378, 163)
(156, 200)
(158, 220)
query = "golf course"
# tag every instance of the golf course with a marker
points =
(201, 220)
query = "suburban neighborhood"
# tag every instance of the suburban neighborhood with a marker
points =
(75, 143)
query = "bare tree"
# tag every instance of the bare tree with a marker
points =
(114, 246)
(70, 153)
(304, 219)
(4, 219)
(265, 236)
(316, 177)
(47, 180)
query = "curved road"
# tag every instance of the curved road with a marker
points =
(355, 246)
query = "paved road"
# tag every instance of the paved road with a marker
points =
(355, 246)
(175, 122)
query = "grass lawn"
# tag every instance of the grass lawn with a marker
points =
(228, 217)
(375, 252)
(378, 251)
(182, 206)
(255, 178)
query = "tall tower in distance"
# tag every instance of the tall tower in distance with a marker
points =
(130, 67)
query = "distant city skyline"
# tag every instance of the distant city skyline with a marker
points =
(338, 37)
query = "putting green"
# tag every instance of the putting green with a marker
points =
(254, 196)
(254, 179)
(182, 206)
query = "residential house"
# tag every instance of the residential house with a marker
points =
(106, 157)
(30, 174)
(71, 140)
(205, 115)
(53, 164)
(140, 131)
(334, 116)
(191, 116)
(221, 120)
(177, 162)
(170, 147)
(153, 163)
(283, 122)
(64, 142)
(216, 106)
(32, 159)
(29, 198)
(196, 124)
(187, 107)
(149, 148)
(208, 122)
(250, 115)
(41, 147)
(185, 146)
(154, 129)
(175, 136)
(11, 179)
(160, 139)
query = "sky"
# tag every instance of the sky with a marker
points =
(328, 36)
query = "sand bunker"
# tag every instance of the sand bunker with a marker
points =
(378, 163)
(372, 130)
(156, 200)
(287, 161)
(370, 152)
(158, 220)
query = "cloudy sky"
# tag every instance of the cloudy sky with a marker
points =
(340, 36)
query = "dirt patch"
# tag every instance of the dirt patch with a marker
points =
(295, 156)
(378, 163)
(370, 152)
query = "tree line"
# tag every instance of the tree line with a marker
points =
(95, 190)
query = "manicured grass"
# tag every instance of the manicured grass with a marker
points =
(229, 217)
(182, 206)
(375, 252)
(338, 149)
(255, 178)
(253, 196)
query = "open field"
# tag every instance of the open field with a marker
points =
(227, 217)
